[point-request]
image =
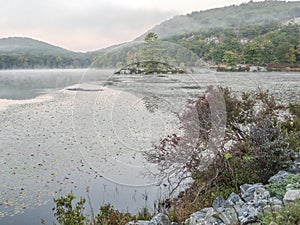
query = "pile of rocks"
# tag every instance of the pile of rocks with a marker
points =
(245, 208)
(159, 219)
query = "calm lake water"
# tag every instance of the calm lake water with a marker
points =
(85, 131)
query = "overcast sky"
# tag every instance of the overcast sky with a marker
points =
(83, 25)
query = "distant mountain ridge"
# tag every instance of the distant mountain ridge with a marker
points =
(28, 53)
(230, 16)
(29, 45)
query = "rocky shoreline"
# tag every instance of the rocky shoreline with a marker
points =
(244, 208)
(254, 68)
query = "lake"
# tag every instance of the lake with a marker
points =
(85, 131)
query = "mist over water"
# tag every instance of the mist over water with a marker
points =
(27, 84)
(49, 148)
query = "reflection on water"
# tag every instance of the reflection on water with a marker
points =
(27, 84)
(49, 148)
(15, 93)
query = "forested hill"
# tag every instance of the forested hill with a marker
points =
(255, 33)
(21, 52)
(252, 13)
(28, 46)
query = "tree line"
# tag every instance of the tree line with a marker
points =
(34, 61)
(255, 44)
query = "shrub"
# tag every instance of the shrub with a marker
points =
(288, 215)
(110, 216)
(279, 188)
(292, 126)
(66, 214)
(269, 150)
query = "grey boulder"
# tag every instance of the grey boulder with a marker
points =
(291, 195)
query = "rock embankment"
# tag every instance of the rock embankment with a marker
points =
(243, 208)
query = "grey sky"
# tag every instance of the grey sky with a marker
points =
(83, 25)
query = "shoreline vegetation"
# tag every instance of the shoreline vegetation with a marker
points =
(260, 141)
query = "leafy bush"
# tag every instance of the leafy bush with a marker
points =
(66, 214)
(279, 188)
(288, 215)
(292, 126)
(110, 216)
